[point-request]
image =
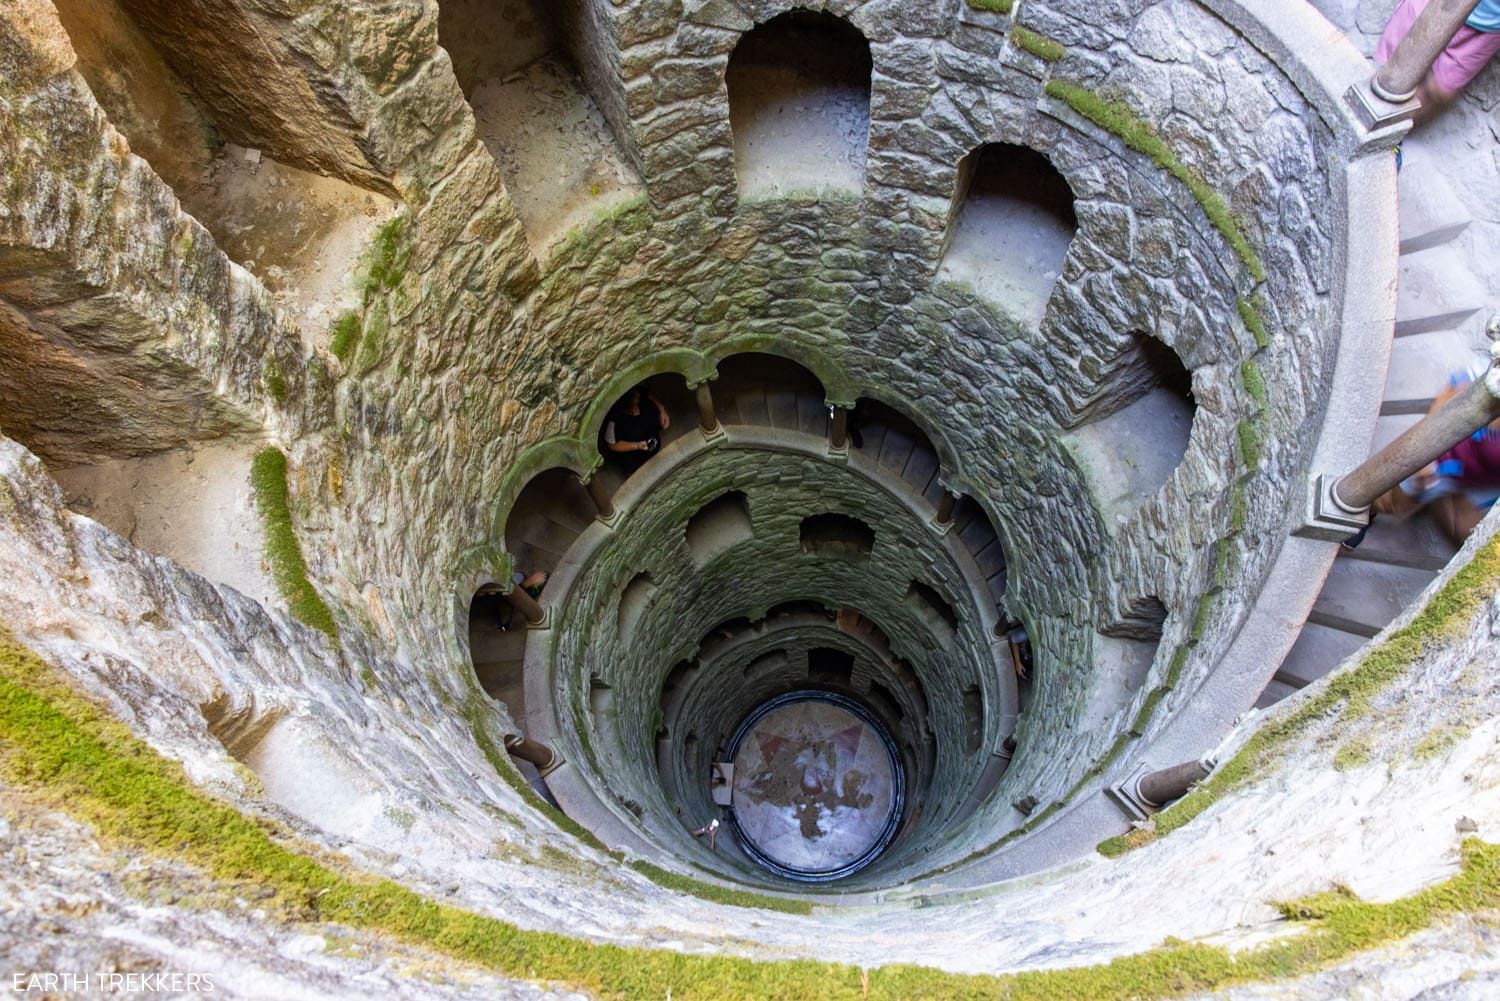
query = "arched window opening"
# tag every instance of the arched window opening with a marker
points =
(514, 61)
(1009, 228)
(1149, 406)
(898, 445)
(550, 512)
(647, 417)
(837, 536)
(799, 607)
(723, 633)
(799, 105)
(719, 526)
(766, 664)
(633, 602)
(973, 719)
(770, 391)
(830, 667)
(933, 608)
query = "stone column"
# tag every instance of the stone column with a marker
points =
(1461, 416)
(945, 507)
(1434, 28)
(1161, 787)
(838, 428)
(537, 753)
(708, 419)
(599, 494)
(524, 603)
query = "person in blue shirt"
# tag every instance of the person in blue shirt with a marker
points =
(1459, 63)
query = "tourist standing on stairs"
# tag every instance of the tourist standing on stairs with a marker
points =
(1459, 63)
(633, 433)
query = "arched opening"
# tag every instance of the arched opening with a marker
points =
(767, 390)
(934, 608)
(799, 105)
(836, 536)
(1009, 228)
(898, 445)
(1131, 452)
(551, 511)
(515, 61)
(719, 526)
(648, 416)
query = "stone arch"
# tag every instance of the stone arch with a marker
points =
(817, 66)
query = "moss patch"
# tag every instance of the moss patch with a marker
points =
(1138, 134)
(1348, 695)
(1250, 314)
(283, 551)
(1353, 753)
(1038, 44)
(54, 740)
(347, 331)
(993, 6)
(719, 894)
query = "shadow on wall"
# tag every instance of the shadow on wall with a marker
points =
(799, 105)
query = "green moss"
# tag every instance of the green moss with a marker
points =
(377, 326)
(1038, 44)
(1255, 383)
(53, 740)
(386, 261)
(275, 380)
(993, 6)
(347, 332)
(1352, 754)
(1438, 741)
(1251, 443)
(1348, 695)
(1139, 135)
(283, 552)
(1250, 311)
(719, 894)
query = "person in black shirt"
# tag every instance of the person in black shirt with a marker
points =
(633, 433)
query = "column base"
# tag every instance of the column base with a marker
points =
(716, 435)
(1374, 111)
(1327, 519)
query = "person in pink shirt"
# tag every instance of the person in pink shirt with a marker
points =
(1469, 52)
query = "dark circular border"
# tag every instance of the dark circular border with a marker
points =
(898, 786)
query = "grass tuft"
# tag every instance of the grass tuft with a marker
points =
(347, 331)
(1038, 44)
(1139, 135)
(55, 740)
(283, 552)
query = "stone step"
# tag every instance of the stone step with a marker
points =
(1274, 693)
(991, 559)
(1318, 650)
(781, 405)
(1432, 214)
(753, 407)
(1415, 542)
(1438, 290)
(812, 415)
(895, 451)
(1388, 429)
(921, 469)
(871, 438)
(1360, 596)
(1422, 363)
